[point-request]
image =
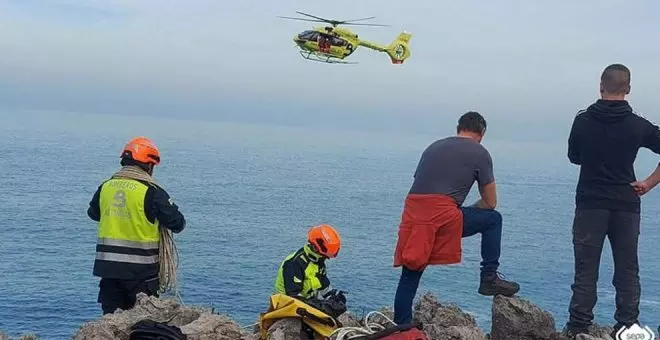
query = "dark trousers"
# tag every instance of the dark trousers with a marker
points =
(475, 220)
(590, 226)
(114, 294)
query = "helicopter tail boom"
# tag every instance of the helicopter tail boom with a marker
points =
(398, 50)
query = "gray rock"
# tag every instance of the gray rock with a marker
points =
(349, 320)
(429, 311)
(30, 336)
(514, 318)
(286, 329)
(445, 321)
(454, 332)
(601, 332)
(195, 322)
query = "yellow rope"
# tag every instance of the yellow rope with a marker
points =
(168, 262)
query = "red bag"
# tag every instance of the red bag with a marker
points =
(411, 334)
(401, 332)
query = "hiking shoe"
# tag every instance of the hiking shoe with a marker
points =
(494, 284)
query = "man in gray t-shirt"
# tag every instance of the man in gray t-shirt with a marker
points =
(434, 218)
(450, 166)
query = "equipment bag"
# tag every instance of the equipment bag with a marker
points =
(412, 331)
(152, 330)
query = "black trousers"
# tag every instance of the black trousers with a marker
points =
(114, 294)
(590, 227)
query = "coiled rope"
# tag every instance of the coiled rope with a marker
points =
(168, 264)
(346, 333)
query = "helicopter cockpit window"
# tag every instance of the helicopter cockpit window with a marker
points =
(338, 42)
(308, 35)
(305, 35)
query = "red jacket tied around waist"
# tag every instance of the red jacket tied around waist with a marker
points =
(430, 232)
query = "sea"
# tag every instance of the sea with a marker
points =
(250, 192)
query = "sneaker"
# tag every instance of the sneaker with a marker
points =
(496, 285)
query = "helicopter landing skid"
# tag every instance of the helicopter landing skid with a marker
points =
(324, 58)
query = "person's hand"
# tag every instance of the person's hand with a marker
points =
(641, 187)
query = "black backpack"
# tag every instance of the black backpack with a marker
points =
(152, 330)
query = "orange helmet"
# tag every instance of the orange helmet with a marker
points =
(326, 240)
(143, 150)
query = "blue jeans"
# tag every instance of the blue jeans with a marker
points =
(475, 220)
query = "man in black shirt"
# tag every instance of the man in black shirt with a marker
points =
(604, 141)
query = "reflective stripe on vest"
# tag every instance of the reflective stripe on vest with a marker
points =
(125, 234)
(128, 244)
(137, 259)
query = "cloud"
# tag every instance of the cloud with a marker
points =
(512, 58)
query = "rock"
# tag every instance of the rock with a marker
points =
(195, 322)
(4, 336)
(212, 327)
(513, 318)
(251, 337)
(388, 312)
(601, 332)
(445, 321)
(28, 337)
(429, 311)
(286, 329)
(454, 332)
(586, 337)
(596, 332)
(516, 319)
(349, 320)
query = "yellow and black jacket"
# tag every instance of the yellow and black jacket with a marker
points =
(302, 274)
(129, 213)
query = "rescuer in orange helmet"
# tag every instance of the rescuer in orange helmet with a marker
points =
(303, 274)
(130, 208)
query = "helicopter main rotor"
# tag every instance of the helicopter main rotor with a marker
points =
(334, 23)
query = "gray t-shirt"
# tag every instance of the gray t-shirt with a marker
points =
(450, 166)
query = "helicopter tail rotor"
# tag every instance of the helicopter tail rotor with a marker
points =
(398, 50)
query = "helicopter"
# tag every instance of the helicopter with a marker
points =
(332, 44)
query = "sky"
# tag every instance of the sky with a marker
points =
(527, 66)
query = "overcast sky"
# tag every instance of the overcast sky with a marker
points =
(523, 63)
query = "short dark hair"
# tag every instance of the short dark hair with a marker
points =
(615, 79)
(128, 161)
(472, 121)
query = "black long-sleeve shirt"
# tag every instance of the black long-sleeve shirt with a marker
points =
(157, 205)
(604, 141)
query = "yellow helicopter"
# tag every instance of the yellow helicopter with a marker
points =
(332, 44)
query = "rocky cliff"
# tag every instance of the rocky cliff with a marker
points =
(512, 319)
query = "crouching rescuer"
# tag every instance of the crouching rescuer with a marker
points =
(134, 251)
(302, 274)
(302, 287)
